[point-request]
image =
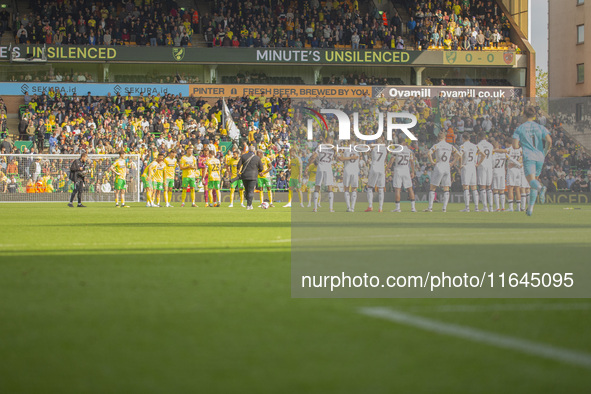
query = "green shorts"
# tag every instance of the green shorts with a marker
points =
(264, 183)
(169, 182)
(213, 184)
(158, 186)
(295, 183)
(120, 184)
(237, 185)
(189, 182)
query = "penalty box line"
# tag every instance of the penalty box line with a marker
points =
(554, 353)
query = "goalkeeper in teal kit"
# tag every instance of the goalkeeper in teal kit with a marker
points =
(535, 142)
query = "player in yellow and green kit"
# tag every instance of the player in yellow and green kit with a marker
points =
(295, 177)
(264, 180)
(311, 183)
(232, 163)
(156, 176)
(189, 167)
(214, 179)
(119, 168)
(170, 167)
(148, 187)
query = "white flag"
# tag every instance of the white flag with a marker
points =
(233, 131)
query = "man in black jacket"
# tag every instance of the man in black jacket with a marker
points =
(78, 172)
(249, 167)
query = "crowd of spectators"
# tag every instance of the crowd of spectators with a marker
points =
(147, 125)
(457, 25)
(298, 24)
(81, 22)
(449, 24)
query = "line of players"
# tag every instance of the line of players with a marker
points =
(158, 177)
(484, 165)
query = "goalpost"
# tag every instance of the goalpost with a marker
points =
(45, 178)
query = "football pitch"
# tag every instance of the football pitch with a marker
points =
(146, 300)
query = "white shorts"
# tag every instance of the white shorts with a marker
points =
(514, 177)
(376, 179)
(498, 181)
(468, 176)
(485, 175)
(324, 178)
(402, 180)
(350, 179)
(440, 177)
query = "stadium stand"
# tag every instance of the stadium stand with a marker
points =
(151, 124)
(85, 23)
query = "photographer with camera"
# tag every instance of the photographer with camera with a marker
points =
(77, 174)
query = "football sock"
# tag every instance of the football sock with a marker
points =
(192, 196)
(158, 199)
(467, 198)
(510, 205)
(431, 199)
(348, 200)
(261, 196)
(330, 200)
(370, 197)
(289, 196)
(169, 196)
(116, 200)
(483, 198)
(503, 198)
(241, 194)
(299, 195)
(412, 204)
(445, 199)
(353, 199)
(489, 193)
(476, 198)
(270, 193)
(183, 196)
(166, 197)
(231, 196)
(381, 198)
(315, 200)
(206, 196)
(497, 200)
(397, 204)
(210, 193)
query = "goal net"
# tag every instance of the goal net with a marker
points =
(45, 178)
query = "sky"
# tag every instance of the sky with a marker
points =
(539, 31)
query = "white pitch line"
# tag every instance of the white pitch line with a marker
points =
(517, 344)
(575, 306)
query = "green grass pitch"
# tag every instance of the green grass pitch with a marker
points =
(144, 300)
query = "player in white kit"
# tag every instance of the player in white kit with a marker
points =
(324, 158)
(404, 169)
(484, 170)
(514, 182)
(377, 175)
(468, 154)
(350, 158)
(525, 188)
(445, 156)
(499, 163)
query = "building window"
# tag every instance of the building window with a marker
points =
(581, 73)
(580, 34)
(580, 2)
